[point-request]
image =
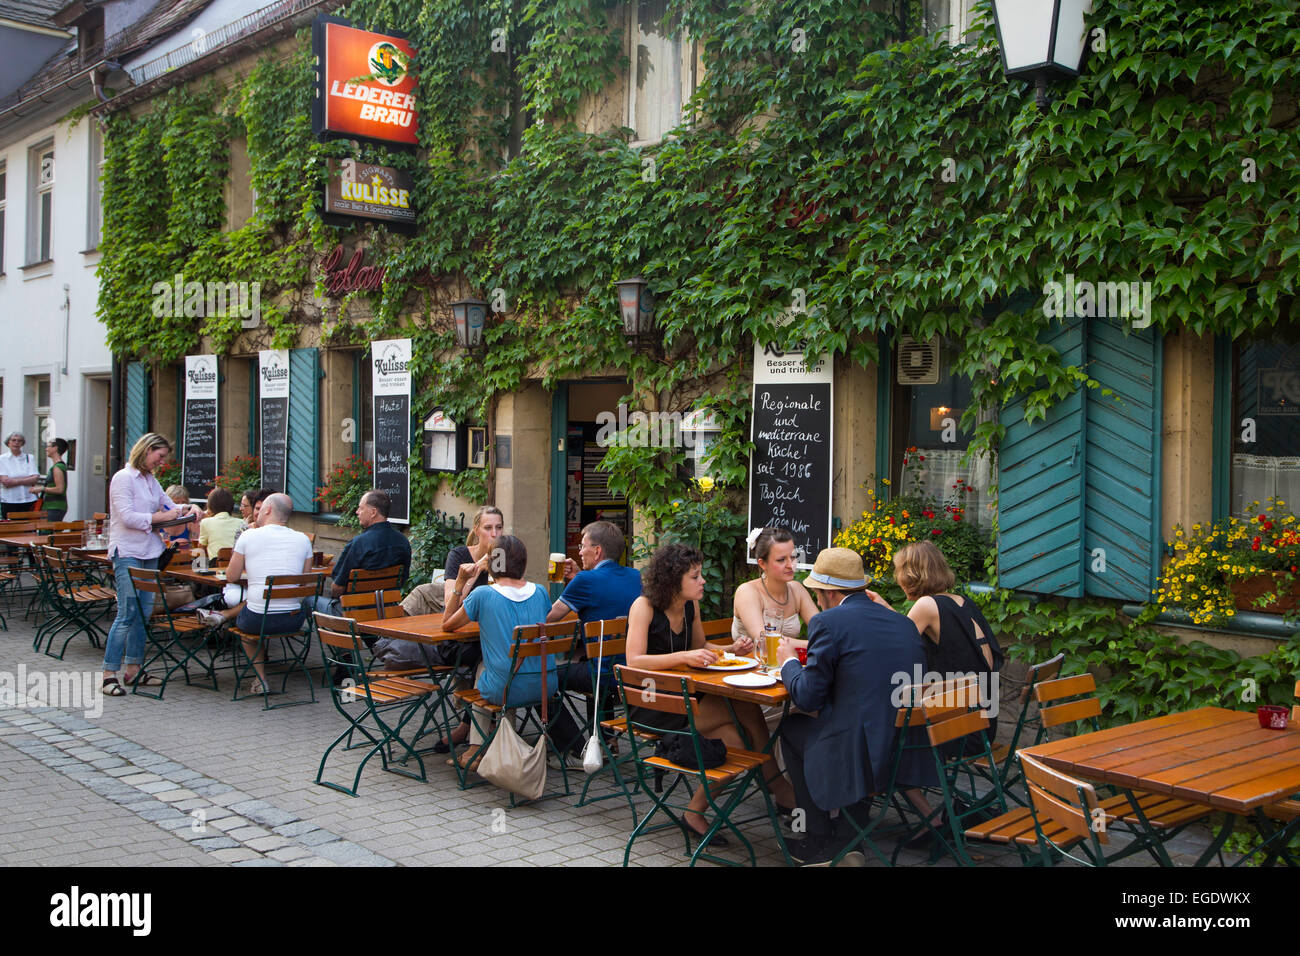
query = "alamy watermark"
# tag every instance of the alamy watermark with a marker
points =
(67, 690)
(242, 300)
(1097, 300)
(960, 690)
(638, 429)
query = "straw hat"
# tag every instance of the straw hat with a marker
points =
(837, 569)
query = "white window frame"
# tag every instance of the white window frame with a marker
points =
(95, 191)
(41, 414)
(684, 56)
(960, 15)
(40, 186)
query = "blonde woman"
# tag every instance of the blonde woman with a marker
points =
(773, 593)
(137, 505)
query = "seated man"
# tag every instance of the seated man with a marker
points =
(379, 545)
(271, 549)
(604, 589)
(840, 757)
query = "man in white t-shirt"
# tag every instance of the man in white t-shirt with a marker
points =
(271, 549)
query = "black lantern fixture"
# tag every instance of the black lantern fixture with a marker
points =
(470, 316)
(1041, 40)
(637, 304)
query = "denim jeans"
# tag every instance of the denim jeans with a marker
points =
(127, 632)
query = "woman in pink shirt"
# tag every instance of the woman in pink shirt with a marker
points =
(137, 506)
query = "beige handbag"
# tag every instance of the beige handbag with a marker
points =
(509, 762)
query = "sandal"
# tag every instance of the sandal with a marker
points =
(113, 688)
(469, 760)
(143, 679)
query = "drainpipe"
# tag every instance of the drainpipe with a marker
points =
(116, 421)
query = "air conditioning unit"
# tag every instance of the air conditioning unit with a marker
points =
(918, 362)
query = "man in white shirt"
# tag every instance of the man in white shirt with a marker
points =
(271, 549)
(18, 472)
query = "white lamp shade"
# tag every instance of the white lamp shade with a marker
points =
(1041, 35)
(470, 314)
(636, 303)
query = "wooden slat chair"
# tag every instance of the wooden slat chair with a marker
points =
(1066, 814)
(607, 641)
(1151, 817)
(23, 516)
(75, 606)
(1004, 754)
(16, 561)
(726, 786)
(717, 631)
(66, 526)
(528, 641)
(364, 580)
(64, 539)
(175, 639)
(222, 560)
(389, 703)
(294, 645)
(1287, 810)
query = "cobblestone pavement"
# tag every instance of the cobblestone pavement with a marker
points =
(199, 779)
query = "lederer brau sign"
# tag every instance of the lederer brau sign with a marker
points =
(364, 84)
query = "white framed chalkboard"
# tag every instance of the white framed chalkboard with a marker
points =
(199, 433)
(390, 365)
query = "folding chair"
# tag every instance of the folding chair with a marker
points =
(672, 693)
(529, 641)
(363, 580)
(73, 605)
(1004, 755)
(176, 639)
(606, 640)
(294, 645)
(717, 631)
(388, 703)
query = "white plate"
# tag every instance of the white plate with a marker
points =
(749, 664)
(749, 680)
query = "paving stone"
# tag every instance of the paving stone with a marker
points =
(262, 861)
(248, 833)
(296, 828)
(210, 843)
(235, 855)
(176, 796)
(266, 844)
(262, 812)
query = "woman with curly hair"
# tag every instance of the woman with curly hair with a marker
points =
(664, 630)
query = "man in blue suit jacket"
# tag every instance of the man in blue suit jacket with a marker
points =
(855, 650)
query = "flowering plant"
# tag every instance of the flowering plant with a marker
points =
(343, 489)
(242, 473)
(1212, 560)
(888, 524)
(169, 474)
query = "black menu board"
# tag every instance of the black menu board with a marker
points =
(391, 379)
(199, 436)
(273, 411)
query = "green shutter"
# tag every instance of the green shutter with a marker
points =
(1041, 487)
(1122, 483)
(303, 463)
(136, 399)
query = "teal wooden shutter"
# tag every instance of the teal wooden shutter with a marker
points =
(1041, 487)
(1122, 482)
(136, 405)
(303, 464)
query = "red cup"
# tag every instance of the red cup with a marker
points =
(1272, 716)
(803, 654)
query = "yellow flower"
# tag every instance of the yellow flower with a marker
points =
(705, 484)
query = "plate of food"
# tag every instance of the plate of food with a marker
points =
(731, 663)
(749, 680)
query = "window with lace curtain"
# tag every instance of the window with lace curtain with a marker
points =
(930, 444)
(1266, 419)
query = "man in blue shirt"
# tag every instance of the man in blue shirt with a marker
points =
(604, 589)
(379, 545)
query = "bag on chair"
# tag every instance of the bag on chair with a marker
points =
(509, 762)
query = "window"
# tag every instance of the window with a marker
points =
(3, 185)
(43, 423)
(94, 198)
(662, 71)
(952, 16)
(926, 417)
(1266, 419)
(40, 217)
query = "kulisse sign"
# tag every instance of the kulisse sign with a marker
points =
(368, 192)
(365, 88)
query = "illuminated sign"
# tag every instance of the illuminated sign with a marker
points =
(365, 88)
(369, 192)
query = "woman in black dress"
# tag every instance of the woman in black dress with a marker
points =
(664, 631)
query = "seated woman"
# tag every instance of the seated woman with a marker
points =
(773, 592)
(499, 608)
(218, 530)
(664, 631)
(181, 495)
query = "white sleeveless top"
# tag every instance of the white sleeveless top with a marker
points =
(790, 627)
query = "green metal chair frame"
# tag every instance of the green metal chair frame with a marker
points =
(295, 644)
(176, 639)
(610, 640)
(529, 640)
(380, 698)
(59, 591)
(1070, 804)
(742, 772)
(1008, 767)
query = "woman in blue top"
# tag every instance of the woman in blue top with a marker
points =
(508, 602)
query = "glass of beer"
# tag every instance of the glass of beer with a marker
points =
(555, 569)
(771, 636)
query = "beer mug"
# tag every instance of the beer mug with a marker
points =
(555, 570)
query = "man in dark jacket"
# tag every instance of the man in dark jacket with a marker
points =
(855, 650)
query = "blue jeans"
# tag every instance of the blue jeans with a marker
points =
(127, 631)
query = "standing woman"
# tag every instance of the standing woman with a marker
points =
(17, 474)
(55, 488)
(137, 505)
(774, 592)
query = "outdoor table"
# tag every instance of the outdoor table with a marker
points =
(30, 541)
(421, 628)
(1221, 759)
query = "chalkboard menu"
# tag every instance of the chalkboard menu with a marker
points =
(790, 468)
(199, 439)
(390, 364)
(273, 416)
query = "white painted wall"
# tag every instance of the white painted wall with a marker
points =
(37, 336)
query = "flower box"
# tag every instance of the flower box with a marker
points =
(1248, 591)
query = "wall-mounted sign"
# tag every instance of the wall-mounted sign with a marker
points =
(369, 192)
(273, 417)
(340, 279)
(790, 468)
(444, 443)
(365, 88)
(199, 439)
(390, 364)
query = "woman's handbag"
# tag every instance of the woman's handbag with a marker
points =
(592, 758)
(509, 762)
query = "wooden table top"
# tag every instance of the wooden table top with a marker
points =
(712, 682)
(421, 628)
(30, 540)
(1212, 756)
